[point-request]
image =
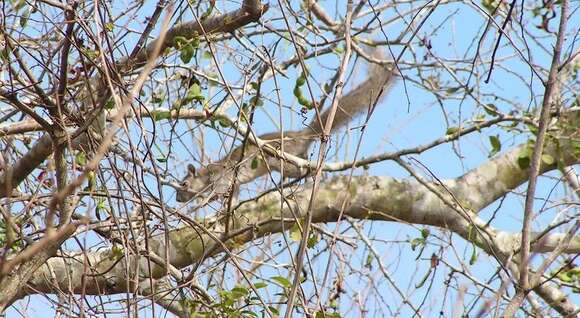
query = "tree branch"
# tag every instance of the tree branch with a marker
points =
(373, 198)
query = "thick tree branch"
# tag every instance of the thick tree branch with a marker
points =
(494, 178)
(373, 198)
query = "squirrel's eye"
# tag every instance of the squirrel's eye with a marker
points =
(185, 184)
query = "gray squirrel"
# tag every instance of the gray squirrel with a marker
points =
(216, 178)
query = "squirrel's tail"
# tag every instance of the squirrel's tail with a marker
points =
(362, 98)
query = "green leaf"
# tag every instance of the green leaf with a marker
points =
(187, 52)
(424, 279)
(90, 54)
(322, 314)
(452, 90)
(473, 258)
(208, 11)
(295, 234)
(369, 260)
(158, 115)
(417, 242)
(333, 304)
(533, 129)
(109, 26)
(495, 145)
(301, 80)
(224, 122)
(195, 41)
(312, 240)
(259, 285)
(282, 281)
(248, 313)
(24, 18)
(18, 4)
(489, 5)
(256, 101)
(305, 102)
(297, 92)
(239, 292)
(81, 158)
(274, 310)
(548, 159)
(524, 158)
(451, 131)
(524, 162)
(491, 109)
(565, 277)
(92, 181)
(179, 41)
(478, 119)
(110, 104)
(101, 205)
(254, 163)
(194, 94)
(117, 252)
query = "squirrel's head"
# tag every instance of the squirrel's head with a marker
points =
(193, 185)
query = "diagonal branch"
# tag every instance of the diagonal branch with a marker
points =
(374, 198)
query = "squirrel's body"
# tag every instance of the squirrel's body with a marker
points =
(217, 178)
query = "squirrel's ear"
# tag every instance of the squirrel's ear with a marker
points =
(190, 170)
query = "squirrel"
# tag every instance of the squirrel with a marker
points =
(216, 178)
